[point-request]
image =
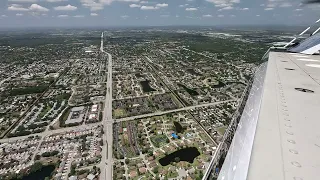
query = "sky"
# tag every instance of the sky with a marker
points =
(105, 13)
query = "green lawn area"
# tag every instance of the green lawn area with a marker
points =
(119, 113)
(222, 130)
(159, 140)
(44, 111)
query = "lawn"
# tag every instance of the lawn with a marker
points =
(159, 140)
(119, 113)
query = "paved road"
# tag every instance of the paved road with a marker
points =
(106, 162)
(49, 132)
(170, 111)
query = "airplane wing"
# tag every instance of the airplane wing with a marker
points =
(278, 134)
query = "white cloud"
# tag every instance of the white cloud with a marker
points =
(33, 7)
(23, 1)
(226, 8)
(223, 3)
(65, 8)
(149, 8)
(183, 5)
(19, 14)
(55, 0)
(207, 15)
(36, 7)
(3, 15)
(129, 0)
(298, 9)
(134, 5)
(258, 15)
(245, 9)
(191, 9)
(17, 7)
(78, 16)
(162, 5)
(93, 14)
(220, 15)
(268, 9)
(144, 2)
(124, 16)
(232, 15)
(62, 16)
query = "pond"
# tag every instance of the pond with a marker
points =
(192, 71)
(178, 127)
(219, 85)
(186, 154)
(190, 91)
(45, 171)
(146, 87)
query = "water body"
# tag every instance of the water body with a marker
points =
(178, 127)
(41, 174)
(192, 71)
(219, 85)
(190, 91)
(146, 87)
(186, 154)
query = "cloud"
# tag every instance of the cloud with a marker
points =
(93, 14)
(258, 15)
(144, 2)
(223, 3)
(23, 1)
(134, 5)
(220, 15)
(79, 16)
(129, 0)
(36, 7)
(183, 5)
(268, 9)
(298, 9)
(19, 14)
(245, 9)
(65, 8)
(164, 15)
(33, 7)
(124, 16)
(3, 15)
(191, 9)
(62, 16)
(279, 3)
(93, 5)
(149, 8)
(17, 7)
(55, 0)
(207, 16)
(226, 8)
(162, 5)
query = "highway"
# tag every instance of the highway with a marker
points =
(106, 162)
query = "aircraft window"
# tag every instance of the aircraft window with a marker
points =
(304, 90)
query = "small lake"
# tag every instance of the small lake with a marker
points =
(146, 87)
(186, 154)
(219, 85)
(41, 174)
(190, 91)
(178, 127)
